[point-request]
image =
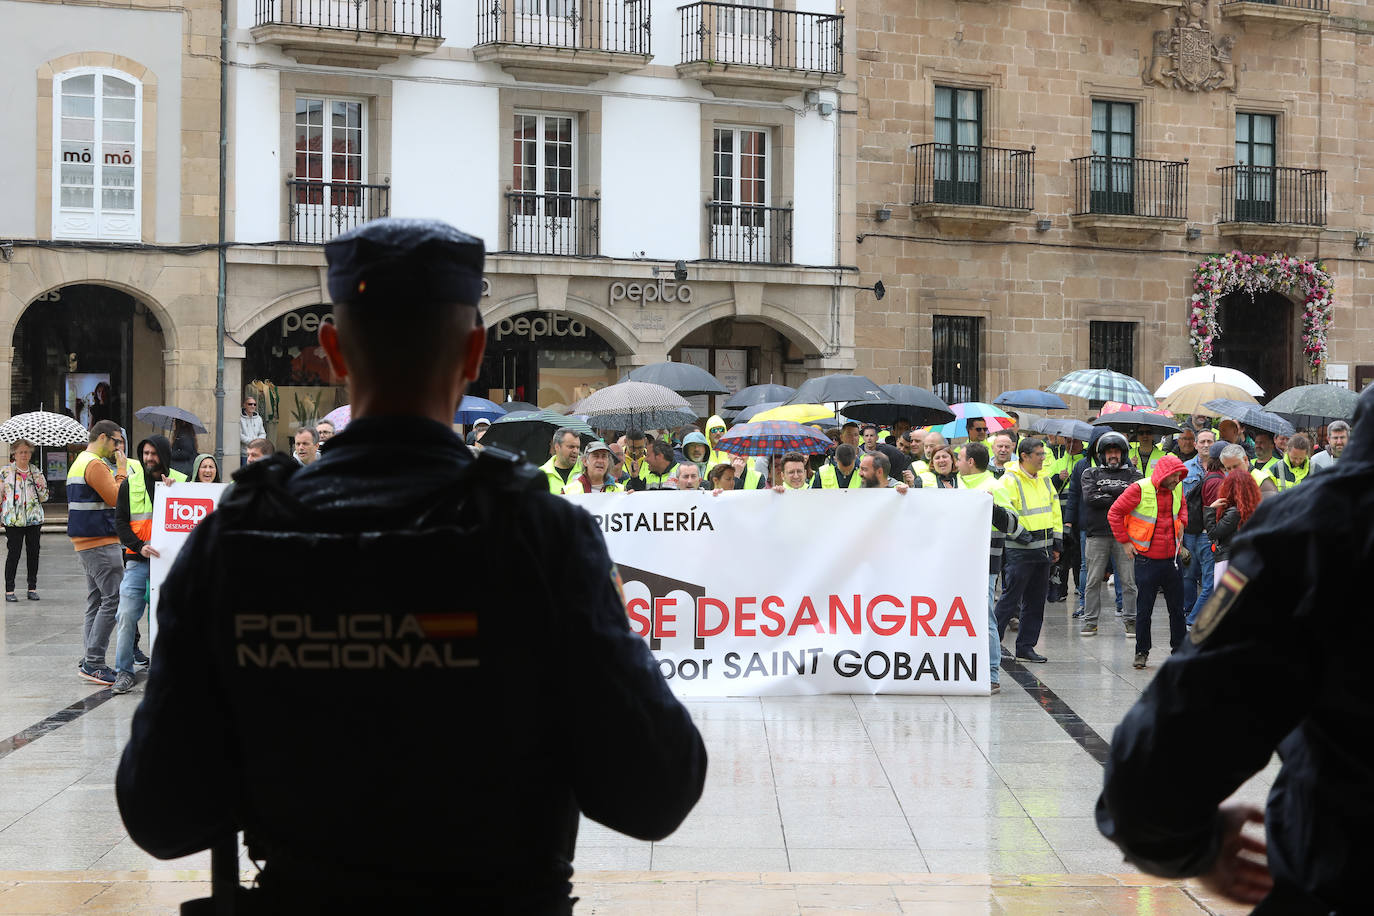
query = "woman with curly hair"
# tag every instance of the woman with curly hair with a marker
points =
(1235, 503)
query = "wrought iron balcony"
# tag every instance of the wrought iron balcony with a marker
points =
(1273, 194)
(556, 224)
(975, 176)
(759, 52)
(564, 41)
(319, 210)
(750, 234)
(1117, 186)
(361, 33)
(1279, 11)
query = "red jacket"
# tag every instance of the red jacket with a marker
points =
(1163, 544)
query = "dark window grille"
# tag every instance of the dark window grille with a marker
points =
(607, 25)
(759, 36)
(1111, 345)
(319, 210)
(1319, 5)
(955, 358)
(418, 18)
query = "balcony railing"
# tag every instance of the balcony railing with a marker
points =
(1271, 194)
(1118, 186)
(586, 25)
(975, 176)
(750, 234)
(558, 224)
(320, 210)
(420, 18)
(1316, 6)
(757, 36)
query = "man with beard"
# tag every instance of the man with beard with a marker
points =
(134, 524)
(1101, 484)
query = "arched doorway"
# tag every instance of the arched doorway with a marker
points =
(1257, 338)
(547, 358)
(91, 352)
(739, 354)
(285, 368)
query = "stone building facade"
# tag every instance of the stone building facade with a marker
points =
(1038, 181)
(109, 173)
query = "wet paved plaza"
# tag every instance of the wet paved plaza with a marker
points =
(812, 805)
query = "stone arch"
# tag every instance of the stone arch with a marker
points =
(271, 311)
(26, 299)
(611, 329)
(775, 316)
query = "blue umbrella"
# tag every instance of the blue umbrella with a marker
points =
(471, 409)
(747, 414)
(1031, 399)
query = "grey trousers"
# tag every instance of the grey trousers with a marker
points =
(1100, 548)
(104, 568)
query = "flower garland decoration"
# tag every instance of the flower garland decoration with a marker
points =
(1222, 274)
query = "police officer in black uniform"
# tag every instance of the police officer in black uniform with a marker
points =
(403, 672)
(1276, 660)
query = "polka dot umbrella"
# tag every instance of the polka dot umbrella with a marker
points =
(41, 427)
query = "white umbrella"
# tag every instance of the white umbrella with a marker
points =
(41, 427)
(1199, 375)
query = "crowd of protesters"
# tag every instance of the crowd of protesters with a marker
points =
(1125, 510)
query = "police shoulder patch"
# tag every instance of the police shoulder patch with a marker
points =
(1224, 596)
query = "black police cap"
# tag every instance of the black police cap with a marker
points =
(387, 261)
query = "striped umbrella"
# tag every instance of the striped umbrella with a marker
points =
(1251, 415)
(773, 437)
(1104, 385)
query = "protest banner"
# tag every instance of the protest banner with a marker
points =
(177, 510)
(760, 593)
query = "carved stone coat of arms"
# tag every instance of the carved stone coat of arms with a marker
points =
(1189, 56)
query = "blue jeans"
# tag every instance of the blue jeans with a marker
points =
(133, 599)
(994, 640)
(1152, 577)
(1083, 572)
(1198, 571)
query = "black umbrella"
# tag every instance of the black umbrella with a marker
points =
(758, 394)
(1252, 416)
(163, 415)
(532, 434)
(831, 389)
(1073, 429)
(512, 406)
(906, 402)
(1126, 420)
(684, 378)
(1315, 405)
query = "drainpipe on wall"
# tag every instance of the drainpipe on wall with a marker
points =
(221, 286)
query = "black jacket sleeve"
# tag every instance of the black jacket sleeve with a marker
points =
(1221, 530)
(123, 515)
(1192, 711)
(638, 762)
(174, 784)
